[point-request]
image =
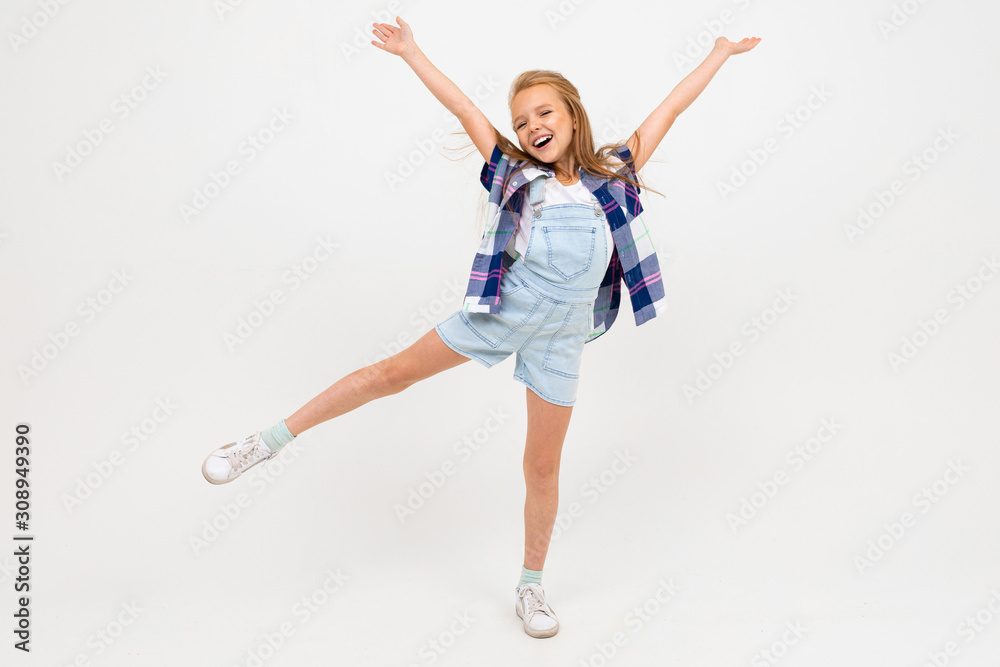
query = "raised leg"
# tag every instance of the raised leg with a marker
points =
(547, 426)
(426, 357)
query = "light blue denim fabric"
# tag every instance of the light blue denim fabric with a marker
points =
(547, 301)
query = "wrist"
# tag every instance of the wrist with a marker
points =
(411, 54)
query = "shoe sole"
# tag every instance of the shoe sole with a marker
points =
(540, 634)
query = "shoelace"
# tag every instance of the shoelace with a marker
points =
(247, 451)
(533, 603)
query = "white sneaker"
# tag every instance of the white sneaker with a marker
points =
(530, 605)
(230, 461)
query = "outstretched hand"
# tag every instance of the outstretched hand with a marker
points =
(732, 48)
(398, 41)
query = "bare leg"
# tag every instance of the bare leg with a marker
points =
(547, 426)
(426, 357)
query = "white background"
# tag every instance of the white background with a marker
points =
(130, 537)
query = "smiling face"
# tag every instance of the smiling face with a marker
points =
(538, 112)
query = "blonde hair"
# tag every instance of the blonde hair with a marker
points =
(601, 162)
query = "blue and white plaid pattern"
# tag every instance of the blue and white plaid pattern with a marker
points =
(633, 257)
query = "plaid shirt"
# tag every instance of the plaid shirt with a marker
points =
(633, 257)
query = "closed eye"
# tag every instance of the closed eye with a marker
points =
(541, 114)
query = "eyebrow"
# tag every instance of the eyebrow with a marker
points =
(546, 104)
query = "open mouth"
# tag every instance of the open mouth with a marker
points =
(543, 142)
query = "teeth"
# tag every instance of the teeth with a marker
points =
(541, 139)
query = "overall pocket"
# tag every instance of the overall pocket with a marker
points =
(509, 284)
(517, 307)
(564, 353)
(570, 249)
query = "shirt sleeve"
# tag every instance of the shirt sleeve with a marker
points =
(624, 155)
(627, 167)
(490, 168)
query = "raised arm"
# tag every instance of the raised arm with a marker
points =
(399, 41)
(653, 129)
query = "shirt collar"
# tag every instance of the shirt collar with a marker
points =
(590, 181)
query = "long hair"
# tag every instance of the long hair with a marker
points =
(600, 162)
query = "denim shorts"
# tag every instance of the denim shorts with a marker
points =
(546, 301)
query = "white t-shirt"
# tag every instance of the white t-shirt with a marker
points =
(556, 193)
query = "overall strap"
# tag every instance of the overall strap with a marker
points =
(537, 190)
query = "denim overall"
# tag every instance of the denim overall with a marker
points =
(546, 300)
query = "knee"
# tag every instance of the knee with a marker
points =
(385, 378)
(541, 473)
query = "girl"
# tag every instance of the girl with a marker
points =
(564, 232)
